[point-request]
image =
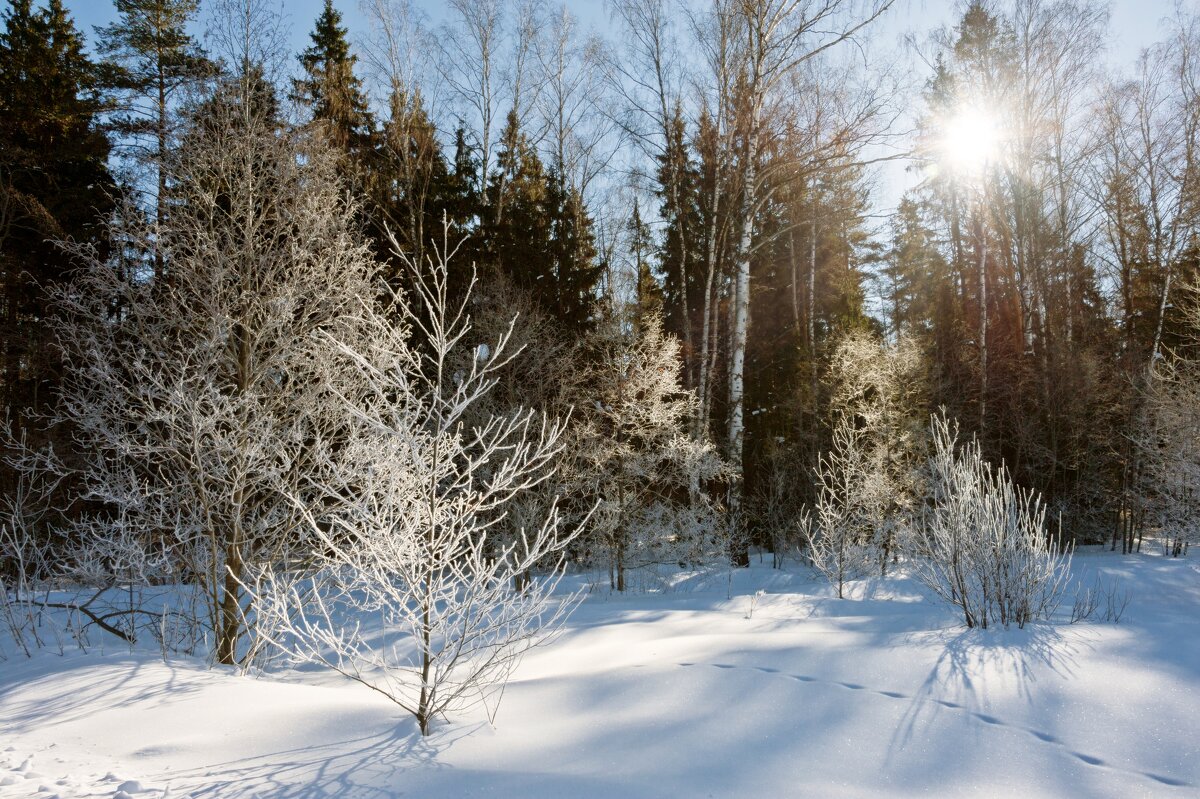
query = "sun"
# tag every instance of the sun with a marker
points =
(970, 140)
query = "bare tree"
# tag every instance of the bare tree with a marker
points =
(485, 60)
(773, 39)
(570, 101)
(646, 74)
(410, 533)
(1150, 169)
(843, 529)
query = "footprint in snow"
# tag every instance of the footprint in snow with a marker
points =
(1089, 759)
(985, 718)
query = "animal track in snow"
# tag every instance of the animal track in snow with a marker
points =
(1044, 737)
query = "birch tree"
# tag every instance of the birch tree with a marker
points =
(776, 38)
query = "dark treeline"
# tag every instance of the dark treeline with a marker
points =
(708, 170)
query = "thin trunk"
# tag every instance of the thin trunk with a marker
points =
(1164, 297)
(741, 323)
(983, 327)
(810, 321)
(160, 200)
(706, 349)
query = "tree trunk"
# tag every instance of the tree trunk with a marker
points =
(231, 611)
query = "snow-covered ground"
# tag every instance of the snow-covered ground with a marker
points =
(663, 695)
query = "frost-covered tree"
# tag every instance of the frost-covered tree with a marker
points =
(195, 400)
(845, 527)
(1169, 446)
(984, 547)
(640, 461)
(880, 389)
(411, 532)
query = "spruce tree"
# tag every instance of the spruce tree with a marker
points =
(539, 233)
(641, 246)
(516, 235)
(54, 184)
(576, 265)
(329, 88)
(682, 253)
(151, 59)
(410, 183)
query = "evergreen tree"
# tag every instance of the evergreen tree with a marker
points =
(463, 210)
(464, 194)
(913, 273)
(54, 184)
(410, 181)
(539, 233)
(517, 235)
(330, 89)
(682, 255)
(649, 291)
(576, 268)
(151, 58)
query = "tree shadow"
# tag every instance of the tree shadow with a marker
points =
(957, 681)
(53, 694)
(368, 767)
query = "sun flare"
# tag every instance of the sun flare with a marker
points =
(971, 140)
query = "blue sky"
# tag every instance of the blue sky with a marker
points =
(1135, 23)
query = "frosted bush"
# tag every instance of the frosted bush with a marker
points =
(985, 548)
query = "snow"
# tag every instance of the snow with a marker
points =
(675, 693)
